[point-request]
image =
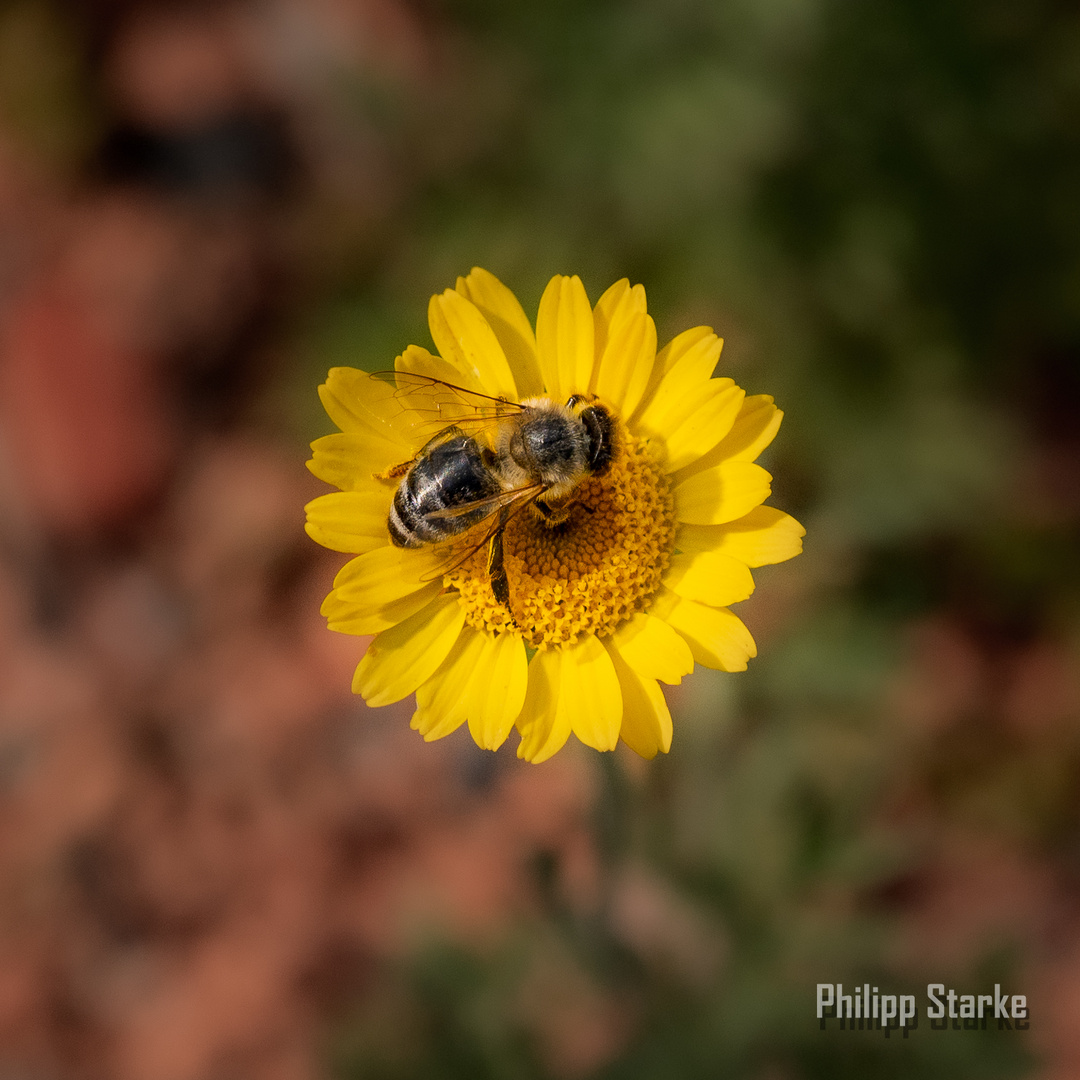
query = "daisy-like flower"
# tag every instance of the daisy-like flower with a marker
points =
(629, 591)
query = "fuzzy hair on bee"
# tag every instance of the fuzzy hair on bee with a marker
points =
(554, 445)
(536, 452)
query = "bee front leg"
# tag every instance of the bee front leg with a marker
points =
(554, 514)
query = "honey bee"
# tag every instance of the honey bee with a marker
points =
(533, 453)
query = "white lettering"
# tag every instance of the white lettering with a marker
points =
(967, 1007)
(936, 1011)
(1020, 1007)
(888, 1009)
(1001, 1003)
(907, 1008)
(822, 1004)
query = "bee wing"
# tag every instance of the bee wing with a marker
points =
(437, 404)
(490, 504)
(515, 500)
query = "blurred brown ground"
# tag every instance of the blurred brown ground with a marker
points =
(206, 846)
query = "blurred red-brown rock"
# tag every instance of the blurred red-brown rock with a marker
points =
(207, 844)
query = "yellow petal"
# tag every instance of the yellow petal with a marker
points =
(497, 693)
(590, 693)
(646, 721)
(352, 521)
(385, 574)
(709, 577)
(419, 361)
(407, 655)
(685, 365)
(564, 337)
(625, 360)
(347, 617)
(386, 422)
(717, 638)
(682, 365)
(654, 649)
(544, 728)
(605, 310)
(699, 342)
(754, 428)
(350, 460)
(765, 535)
(507, 319)
(721, 494)
(463, 337)
(441, 702)
(358, 403)
(693, 426)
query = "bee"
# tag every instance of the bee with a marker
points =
(534, 453)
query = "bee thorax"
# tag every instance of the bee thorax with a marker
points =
(550, 447)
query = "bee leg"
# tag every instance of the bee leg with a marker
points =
(395, 472)
(553, 516)
(496, 568)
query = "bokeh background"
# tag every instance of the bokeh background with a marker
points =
(215, 863)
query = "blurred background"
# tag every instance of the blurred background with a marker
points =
(215, 863)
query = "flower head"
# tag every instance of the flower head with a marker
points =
(550, 590)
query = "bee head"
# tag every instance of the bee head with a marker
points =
(599, 428)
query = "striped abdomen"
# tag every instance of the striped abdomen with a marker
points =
(452, 473)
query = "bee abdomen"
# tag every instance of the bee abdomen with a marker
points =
(452, 474)
(404, 522)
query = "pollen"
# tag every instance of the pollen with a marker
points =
(588, 574)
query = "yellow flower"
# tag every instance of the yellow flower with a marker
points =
(629, 591)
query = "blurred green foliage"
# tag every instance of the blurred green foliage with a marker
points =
(876, 204)
(40, 85)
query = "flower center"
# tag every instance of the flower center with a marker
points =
(588, 574)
